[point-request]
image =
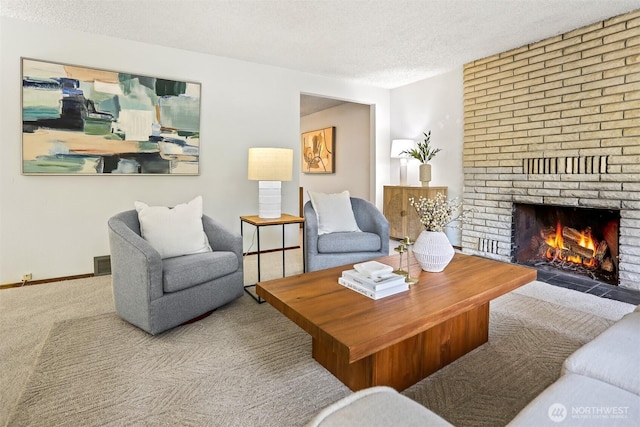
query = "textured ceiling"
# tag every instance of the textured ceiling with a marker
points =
(385, 43)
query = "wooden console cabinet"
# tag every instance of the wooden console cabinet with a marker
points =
(402, 217)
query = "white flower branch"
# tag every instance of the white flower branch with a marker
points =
(438, 213)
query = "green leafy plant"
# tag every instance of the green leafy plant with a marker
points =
(423, 152)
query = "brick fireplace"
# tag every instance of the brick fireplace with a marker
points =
(557, 123)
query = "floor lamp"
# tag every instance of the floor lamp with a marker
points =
(270, 166)
(399, 150)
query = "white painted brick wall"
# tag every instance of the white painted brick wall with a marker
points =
(556, 122)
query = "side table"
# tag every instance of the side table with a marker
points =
(258, 222)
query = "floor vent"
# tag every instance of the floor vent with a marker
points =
(101, 265)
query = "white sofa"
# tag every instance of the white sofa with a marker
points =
(599, 385)
(377, 407)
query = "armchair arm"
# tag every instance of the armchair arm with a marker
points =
(369, 218)
(221, 238)
(136, 265)
(310, 231)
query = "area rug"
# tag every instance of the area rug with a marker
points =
(247, 365)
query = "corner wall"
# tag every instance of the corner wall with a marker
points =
(432, 104)
(556, 122)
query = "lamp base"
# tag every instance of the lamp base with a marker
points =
(269, 199)
(403, 171)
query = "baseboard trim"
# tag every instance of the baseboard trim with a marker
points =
(40, 282)
(266, 251)
(84, 276)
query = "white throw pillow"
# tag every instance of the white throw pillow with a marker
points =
(174, 231)
(334, 212)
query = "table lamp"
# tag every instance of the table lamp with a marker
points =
(399, 148)
(270, 166)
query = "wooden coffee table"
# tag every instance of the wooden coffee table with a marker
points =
(401, 339)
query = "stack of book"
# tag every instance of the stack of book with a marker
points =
(374, 280)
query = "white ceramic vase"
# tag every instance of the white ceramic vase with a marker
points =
(425, 174)
(433, 251)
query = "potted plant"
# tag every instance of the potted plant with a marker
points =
(423, 153)
(432, 248)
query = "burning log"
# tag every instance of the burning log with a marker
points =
(607, 265)
(535, 242)
(601, 251)
(538, 246)
(572, 238)
(542, 249)
(566, 248)
(578, 250)
(571, 234)
(548, 232)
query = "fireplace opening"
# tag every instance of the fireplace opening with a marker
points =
(582, 241)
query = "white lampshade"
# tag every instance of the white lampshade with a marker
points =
(400, 145)
(270, 166)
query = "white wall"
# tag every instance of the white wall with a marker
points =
(352, 147)
(433, 104)
(53, 226)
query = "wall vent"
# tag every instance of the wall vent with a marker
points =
(488, 245)
(566, 165)
(101, 265)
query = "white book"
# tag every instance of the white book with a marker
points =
(373, 269)
(392, 291)
(370, 293)
(377, 284)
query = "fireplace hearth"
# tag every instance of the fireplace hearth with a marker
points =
(581, 241)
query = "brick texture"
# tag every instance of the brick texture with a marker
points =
(555, 122)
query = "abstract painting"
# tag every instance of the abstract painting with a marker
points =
(79, 120)
(318, 154)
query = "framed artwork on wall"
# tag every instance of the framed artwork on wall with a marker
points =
(318, 151)
(79, 120)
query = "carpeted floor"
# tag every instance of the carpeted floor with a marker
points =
(247, 365)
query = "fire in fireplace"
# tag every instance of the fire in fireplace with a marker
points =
(577, 240)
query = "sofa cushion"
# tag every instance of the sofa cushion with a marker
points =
(376, 407)
(173, 231)
(576, 400)
(186, 271)
(349, 242)
(334, 212)
(613, 356)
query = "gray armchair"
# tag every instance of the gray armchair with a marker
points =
(157, 294)
(334, 249)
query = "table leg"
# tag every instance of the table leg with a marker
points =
(246, 288)
(283, 250)
(258, 231)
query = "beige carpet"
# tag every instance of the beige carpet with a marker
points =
(67, 359)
